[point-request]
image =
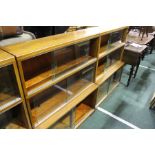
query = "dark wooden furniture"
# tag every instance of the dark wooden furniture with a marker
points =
(134, 37)
(133, 56)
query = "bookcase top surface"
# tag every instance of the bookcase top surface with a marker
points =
(36, 47)
(5, 58)
(39, 46)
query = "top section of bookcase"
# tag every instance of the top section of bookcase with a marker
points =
(36, 47)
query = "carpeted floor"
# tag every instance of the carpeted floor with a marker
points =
(129, 103)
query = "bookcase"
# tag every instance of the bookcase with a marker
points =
(109, 63)
(57, 72)
(65, 76)
(13, 111)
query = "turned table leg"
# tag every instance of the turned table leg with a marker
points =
(131, 73)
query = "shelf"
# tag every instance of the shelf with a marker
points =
(108, 72)
(48, 74)
(10, 102)
(82, 112)
(50, 82)
(104, 51)
(53, 117)
(56, 102)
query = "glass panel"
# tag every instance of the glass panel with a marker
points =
(80, 81)
(71, 57)
(115, 78)
(107, 61)
(115, 56)
(38, 70)
(114, 37)
(47, 102)
(108, 64)
(50, 100)
(47, 67)
(12, 119)
(103, 90)
(9, 93)
(64, 123)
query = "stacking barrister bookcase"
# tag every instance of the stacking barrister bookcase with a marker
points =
(109, 64)
(13, 111)
(58, 74)
(64, 77)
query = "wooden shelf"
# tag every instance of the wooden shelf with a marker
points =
(108, 72)
(48, 74)
(104, 51)
(9, 102)
(67, 107)
(58, 101)
(82, 112)
(50, 82)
